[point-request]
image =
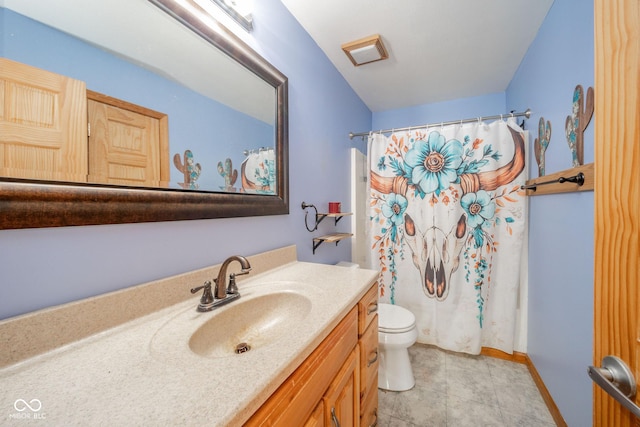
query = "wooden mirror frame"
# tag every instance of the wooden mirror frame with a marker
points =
(36, 204)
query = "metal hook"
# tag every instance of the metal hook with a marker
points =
(576, 179)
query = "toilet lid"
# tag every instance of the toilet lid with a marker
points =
(393, 318)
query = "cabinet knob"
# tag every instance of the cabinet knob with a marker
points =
(375, 418)
(374, 359)
(373, 307)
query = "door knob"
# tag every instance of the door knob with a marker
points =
(617, 380)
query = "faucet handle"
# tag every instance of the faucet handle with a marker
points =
(207, 296)
(233, 288)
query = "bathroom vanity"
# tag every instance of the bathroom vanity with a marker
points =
(337, 384)
(311, 329)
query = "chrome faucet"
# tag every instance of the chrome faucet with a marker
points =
(223, 294)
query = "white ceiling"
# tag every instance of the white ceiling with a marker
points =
(439, 50)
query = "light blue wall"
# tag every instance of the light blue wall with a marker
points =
(44, 267)
(561, 230)
(466, 108)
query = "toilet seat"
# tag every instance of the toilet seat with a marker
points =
(393, 319)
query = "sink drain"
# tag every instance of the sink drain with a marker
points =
(243, 347)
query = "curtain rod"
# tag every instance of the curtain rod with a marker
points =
(526, 114)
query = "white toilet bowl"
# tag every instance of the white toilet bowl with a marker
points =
(396, 333)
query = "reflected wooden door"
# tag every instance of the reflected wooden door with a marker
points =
(617, 197)
(128, 144)
(43, 124)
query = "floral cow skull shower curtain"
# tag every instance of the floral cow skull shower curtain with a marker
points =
(447, 222)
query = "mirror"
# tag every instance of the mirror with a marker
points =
(251, 98)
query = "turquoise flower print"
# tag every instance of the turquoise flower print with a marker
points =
(394, 208)
(479, 207)
(432, 164)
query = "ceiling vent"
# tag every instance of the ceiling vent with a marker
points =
(366, 50)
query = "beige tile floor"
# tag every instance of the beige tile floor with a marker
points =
(459, 390)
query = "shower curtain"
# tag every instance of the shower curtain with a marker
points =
(447, 221)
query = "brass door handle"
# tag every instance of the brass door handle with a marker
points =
(617, 380)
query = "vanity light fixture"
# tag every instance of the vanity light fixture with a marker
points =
(237, 10)
(365, 50)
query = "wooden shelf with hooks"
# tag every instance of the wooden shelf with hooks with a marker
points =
(550, 184)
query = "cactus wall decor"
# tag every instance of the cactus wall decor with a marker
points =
(542, 143)
(577, 122)
(189, 168)
(229, 174)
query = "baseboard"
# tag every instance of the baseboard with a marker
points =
(537, 379)
(497, 354)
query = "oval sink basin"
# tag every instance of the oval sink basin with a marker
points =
(257, 322)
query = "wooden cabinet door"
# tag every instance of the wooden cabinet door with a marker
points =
(128, 144)
(43, 124)
(369, 360)
(342, 399)
(367, 308)
(369, 408)
(317, 417)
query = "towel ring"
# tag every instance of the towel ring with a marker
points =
(304, 207)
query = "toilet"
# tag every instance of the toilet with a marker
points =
(396, 333)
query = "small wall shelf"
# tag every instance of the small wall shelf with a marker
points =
(319, 217)
(336, 216)
(557, 182)
(329, 238)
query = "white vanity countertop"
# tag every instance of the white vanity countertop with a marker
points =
(122, 376)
